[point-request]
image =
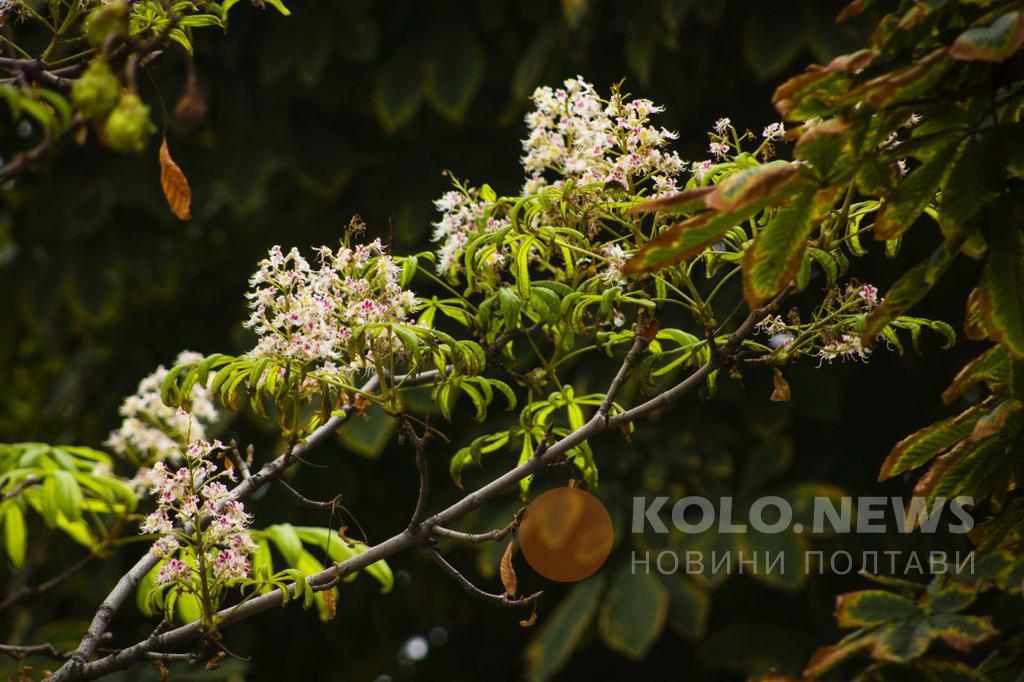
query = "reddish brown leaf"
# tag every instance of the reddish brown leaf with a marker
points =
(508, 571)
(175, 184)
(780, 391)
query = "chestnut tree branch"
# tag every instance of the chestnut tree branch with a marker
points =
(79, 669)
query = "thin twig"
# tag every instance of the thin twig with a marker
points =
(470, 588)
(29, 592)
(19, 652)
(478, 538)
(330, 505)
(420, 445)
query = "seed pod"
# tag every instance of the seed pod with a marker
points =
(107, 21)
(128, 127)
(96, 92)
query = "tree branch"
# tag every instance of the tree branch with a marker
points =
(408, 538)
(478, 538)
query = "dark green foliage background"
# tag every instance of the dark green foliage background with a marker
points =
(356, 107)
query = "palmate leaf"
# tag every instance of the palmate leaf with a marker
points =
(996, 42)
(771, 262)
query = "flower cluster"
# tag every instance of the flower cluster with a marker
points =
(462, 214)
(832, 334)
(152, 431)
(310, 315)
(577, 135)
(196, 518)
(572, 135)
(846, 347)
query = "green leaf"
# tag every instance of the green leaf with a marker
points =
(399, 90)
(689, 607)
(904, 205)
(823, 146)
(530, 69)
(901, 642)
(287, 542)
(872, 607)
(561, 633)
(63, 488)
(976, 179)
(1003, 283)
(908, 290)
(771, 262)
(455, 74)
(279, 6)
(634, 613)
(920, 447)
(339, 550)
(188, 608)
(368, 435)
(991, 367)
(144, 595)
(962, 632)
(15, 535)
(994, 43)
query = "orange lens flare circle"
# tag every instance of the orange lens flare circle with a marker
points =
(566, 535)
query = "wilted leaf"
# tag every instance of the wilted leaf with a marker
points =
(508, 572)
(871, 607)
(822, 147)
(1003, 282)
(995, 421)
(175, 185)
(827, 658)
(991, 367)
(771, 262)
(994, 43)
(901, 642)
(921, 446)
(903, 206)
(780, 387)
(752, 186)
(680, 201)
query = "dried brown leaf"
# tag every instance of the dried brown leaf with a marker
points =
(780, 390)
(175, 184)
(508, 571)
